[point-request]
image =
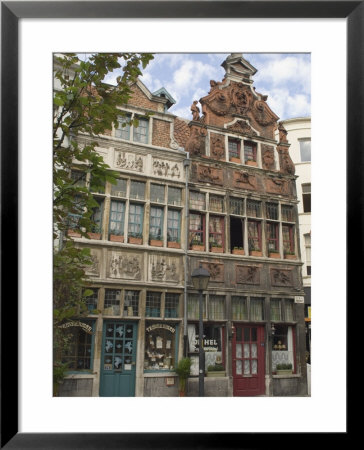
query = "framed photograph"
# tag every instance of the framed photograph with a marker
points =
(31, 32)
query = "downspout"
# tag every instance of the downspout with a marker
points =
(186, 165)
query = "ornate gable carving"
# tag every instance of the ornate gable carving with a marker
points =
(242, 127)
(248, 274)
(195, 144)
(217, 146)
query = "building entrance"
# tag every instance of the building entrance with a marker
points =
(248, 360)
(118, 359)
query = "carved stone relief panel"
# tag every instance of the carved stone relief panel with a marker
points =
(281, 277)
(167, 169)
(124, 265)
(165, 268)
(129, 161)
(244, 180)
(275, 185)
(248, 274)
(216, 271)
(93, 270)
(207, 174)
(268, 157)
(242, 127)
(217, 146)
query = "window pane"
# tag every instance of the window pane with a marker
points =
(193, 306)
(288, 310)
(287, 213)
(141, 131)
(117, 215)
(157, 193)
(173, 225)
(123, 129)
(96, 217)
(216, 227)
(174, 196)
(272, 237)
(272, 211)
(171, 305)
(237, 206)
(254, 235)
(131, 303)
(234, 149)
(216, 203)
(112, 302)
(91, 301)
(156, 223)
(119, 189)
(253, 208)
(239, 308)
(78, 352)
(159, 348)
(137, 189)
(256, 309)
(288, 239)
(305, 149)
(78, 178)
(275, 309)
(216, 307)
(135, 227)
(197, 201)
(153, 304)
(196, 236)
(250, 151)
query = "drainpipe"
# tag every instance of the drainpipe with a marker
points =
(186, 165)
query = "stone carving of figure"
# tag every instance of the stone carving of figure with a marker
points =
(195, 110)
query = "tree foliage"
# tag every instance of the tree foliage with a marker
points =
(84, 108)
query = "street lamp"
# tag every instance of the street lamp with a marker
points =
(200, 279)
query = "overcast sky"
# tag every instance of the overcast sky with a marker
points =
(285, 78)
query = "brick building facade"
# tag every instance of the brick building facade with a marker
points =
(217, 191)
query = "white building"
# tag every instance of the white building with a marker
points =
(299, 136)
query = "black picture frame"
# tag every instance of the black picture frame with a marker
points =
(11, 12)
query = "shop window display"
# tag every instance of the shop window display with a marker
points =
(213, 345)
(282, 346)
(160, 346)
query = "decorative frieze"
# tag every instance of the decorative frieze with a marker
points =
(168, 169)
(268, 157)
(244, 180)
(129, 161)
(217, 146)
(216, 271)
(207, 174)
(94, 269)
(248, 274)
(124, 265)
(281, 278)
(276, 185)
(165, 269)
(242, 127)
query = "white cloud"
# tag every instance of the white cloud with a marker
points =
(185, 112)
(288, 105)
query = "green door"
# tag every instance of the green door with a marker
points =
(118, 359)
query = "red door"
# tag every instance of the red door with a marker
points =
(248, 360)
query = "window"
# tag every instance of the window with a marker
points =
(137, 190)
(173, 225)
(216, 232)
(288, 239)
(287, 213)
(306, 197)
(288, 310)
(236, 233)
(305, 149)
(250, 151)
(78, 355)
(117, 217)
(234, 149)
(237, 206)
(239, 308)
(96, 217)
(135, 226)
(273, 237)
(275, 309)
(91, 301)
(282, 346)
(119, 189)
(157, 193)
(153, 304)
(256, 309)
(171, 308)
(253, 208)
(112, 302)
(216, 203)
(141, 131)
(196, 232)
(174, 196)
(97, 185)
(272, 211)
(216, 307)
(131, 303)
(193, 306)
(197, 201)
(78, 178)
(212, 343)
(156, 223)
(308, 252)
(254, 235)
(160, 346)
(123, 129)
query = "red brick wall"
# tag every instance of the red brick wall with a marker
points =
(138, 98)
(161, 133)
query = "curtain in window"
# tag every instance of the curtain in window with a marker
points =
(156, 223)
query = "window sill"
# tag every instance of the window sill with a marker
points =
(159, 373)
(291, 375)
